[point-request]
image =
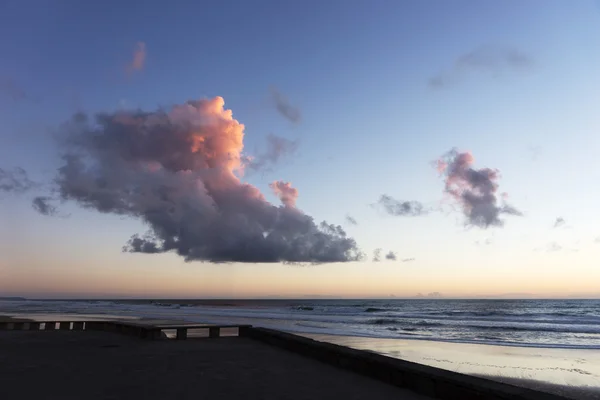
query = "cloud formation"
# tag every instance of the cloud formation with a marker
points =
(552, 247)
(559, 222)
(488, 59)
(408, 259)
(43, 205)
(138, 59)
(178, 171)
(286, 193)
(401, 208)
(15, 181)
(390, 256)
(377, 255)
(277, 148)
(474, 189)
(284, 107)
(351, 220)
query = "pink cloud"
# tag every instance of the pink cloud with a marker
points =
(139, 58)
(286, 193)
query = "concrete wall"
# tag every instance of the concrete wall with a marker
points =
(429, 381)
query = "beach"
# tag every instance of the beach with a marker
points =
(573, 373)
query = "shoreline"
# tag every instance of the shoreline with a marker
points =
(573, 373)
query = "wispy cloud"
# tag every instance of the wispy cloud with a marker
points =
(553, 246)
(284, 107)
(535, 152)
(138, 59)
(351, 220)
(401, 208)
(15, 181)
(559, 222)
(277, 148)
(44, 206)
(408, 259)
(488, 59)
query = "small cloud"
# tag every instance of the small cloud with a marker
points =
(351, 220)
(535, 152)
(408, 259)
(552, 247)
(286, 193)
(15, 92)
(488, 59)
(15, 181)
(485, 242)
(435, 295)
(597, 240)
(277, 148)
(285, 108)
(43, 205)
(377, 255)
(475, 190)
(560, 221)
(138, 59)
(401, 208)
(390, 256)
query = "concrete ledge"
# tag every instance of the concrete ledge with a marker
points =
(423, 379)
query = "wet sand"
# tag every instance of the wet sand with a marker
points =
(573, 373)
(102, 365)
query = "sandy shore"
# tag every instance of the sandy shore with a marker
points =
(101, 365)
(567, 372)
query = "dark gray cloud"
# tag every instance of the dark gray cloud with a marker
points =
(277, 148)
(401, 208)
(377, 255)
(391, 256)
(489, 59)
(178, 171)
(43, 205)
(284, 107)
(474, 189)
(15, 180)
(559, 222)
(351, 220)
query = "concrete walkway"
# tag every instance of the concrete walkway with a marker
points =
(100, 365)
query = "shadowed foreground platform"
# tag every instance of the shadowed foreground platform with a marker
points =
(101, 365)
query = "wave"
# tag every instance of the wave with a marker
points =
(374, 309)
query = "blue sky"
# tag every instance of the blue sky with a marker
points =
(371, 124)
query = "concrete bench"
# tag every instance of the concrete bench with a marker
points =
(214, 331)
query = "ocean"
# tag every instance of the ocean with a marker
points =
(570, 324)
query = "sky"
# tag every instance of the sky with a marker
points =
(450, 147)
